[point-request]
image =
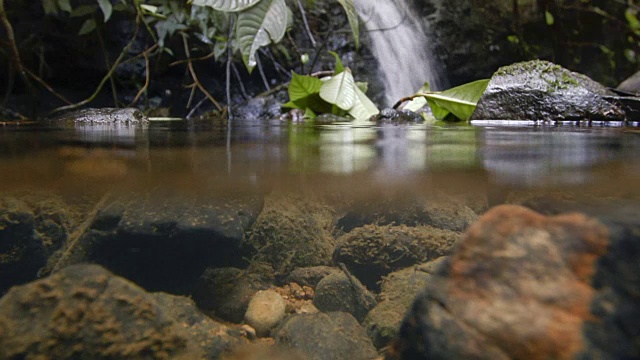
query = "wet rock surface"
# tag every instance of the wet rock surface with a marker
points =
(524, 285)
(265, 311)
(326, 336)
(86, 312)
(342, 292)
(372, 251)
(116, 116)
(540, 90)
(31, 228)
(162, 241)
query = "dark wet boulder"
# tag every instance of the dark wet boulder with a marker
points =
(340, 291)
(31, 228)
(540, 90)
(524, 285)
(164, 241)
(373, 251)
(215, 339)
(226, 292)
(310, 276)
(326, 336)
(397, 117)
(293, 231)
(85, 312)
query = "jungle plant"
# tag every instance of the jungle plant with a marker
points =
(338, 94)
(455, 104)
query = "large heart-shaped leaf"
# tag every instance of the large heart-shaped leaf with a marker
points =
(227, 5)
(461, 101)
(340, 90)
(302, 86)
(352, 16)
(260, 25)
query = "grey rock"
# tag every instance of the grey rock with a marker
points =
(265, 311)
(397, 117)
(116, 116)
(339, 292)
(326, 336)
(540, 90)
(86, 312)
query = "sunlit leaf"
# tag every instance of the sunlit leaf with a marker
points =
(363, 108)
(260, 25)
(65, 5)
(461, 101)
(88, 26)
(302, 86)
(339, 67)
(548, 16)
(419, 102)
(352, 16)
(227, 5)
(50, 7)
(340, 90)
(107, 8)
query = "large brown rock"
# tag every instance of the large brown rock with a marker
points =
(519, 285)
(85, 312)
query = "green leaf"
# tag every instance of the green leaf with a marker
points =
(50, 7)
(340, 90)
(88, 26)
(259, 26)
(363, 108)
(83, 10)
(352, 15)
(419, 102)
(65, 5)
(313, 102)
(302, 86)
(549, 18)
(461, 101)
(339, 67)
(107, 8)
(227, 5)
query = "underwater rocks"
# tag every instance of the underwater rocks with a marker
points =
(524, 285)
(86, 312)
(540, 90)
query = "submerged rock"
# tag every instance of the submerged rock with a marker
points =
(326, 336)
(342, 292)
(540, 90)
(524, 285)
(372, 251)
(265, 311)
(85, 312)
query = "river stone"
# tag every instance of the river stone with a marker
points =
(265, 311)
(310, 276)
(226, 292)
(372, 251)
(326, 336)
(85, 312)
(216, 339)
(124, 116)
(293, 231)
(339, 292)
(529, 286)
(540, 90)
(399, 289)
(163, 240)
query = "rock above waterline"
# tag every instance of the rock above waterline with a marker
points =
(540, 90)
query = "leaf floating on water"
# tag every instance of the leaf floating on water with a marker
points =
(461, 101)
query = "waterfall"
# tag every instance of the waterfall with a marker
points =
(400, 43)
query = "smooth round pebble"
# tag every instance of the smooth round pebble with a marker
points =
(266, 310)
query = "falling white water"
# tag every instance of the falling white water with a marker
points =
(400, 42)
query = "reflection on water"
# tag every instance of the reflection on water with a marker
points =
(188, 155)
